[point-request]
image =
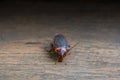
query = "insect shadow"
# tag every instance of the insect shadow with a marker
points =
(52, 55)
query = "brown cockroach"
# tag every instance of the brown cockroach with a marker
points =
(60, 46)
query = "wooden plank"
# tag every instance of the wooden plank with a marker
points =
(95, 63)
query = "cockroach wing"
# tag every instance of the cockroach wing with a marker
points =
(60, 41)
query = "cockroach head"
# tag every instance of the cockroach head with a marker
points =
(61, 54)
(62, 51)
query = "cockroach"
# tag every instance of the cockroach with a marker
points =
(60, 46)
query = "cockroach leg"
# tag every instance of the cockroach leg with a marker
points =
(57, 60)
(69, 46)
(65, 62)
(68, 53)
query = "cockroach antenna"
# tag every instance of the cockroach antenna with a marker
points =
(74, 46)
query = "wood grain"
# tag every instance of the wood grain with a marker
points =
(27, 30)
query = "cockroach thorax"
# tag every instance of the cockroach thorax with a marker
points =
(57, 50)
(61, 51)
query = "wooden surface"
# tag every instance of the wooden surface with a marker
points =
(24, 37)
(88, 61)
